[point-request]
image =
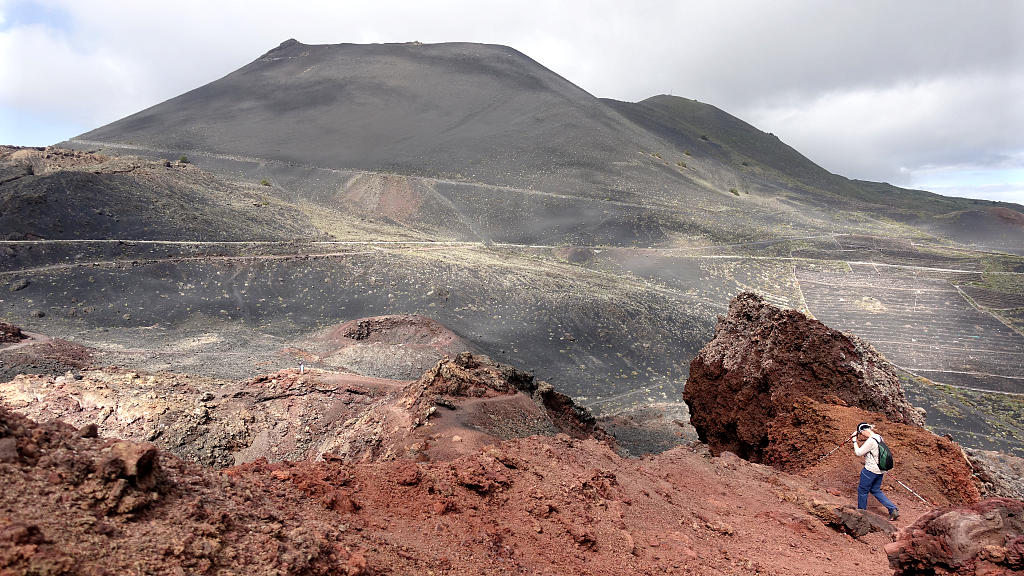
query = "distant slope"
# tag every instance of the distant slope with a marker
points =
(481, 112)
(66, 195)
(706, 130)
(594, 241)
(703, 130)
(471, 117)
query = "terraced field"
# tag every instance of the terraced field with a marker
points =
(921, 320)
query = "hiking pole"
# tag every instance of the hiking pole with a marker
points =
(841, 444)
(912, 492)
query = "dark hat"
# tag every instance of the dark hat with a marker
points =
(863, 426)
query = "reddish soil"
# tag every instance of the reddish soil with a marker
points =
(390, 196)
(409, 330)
(932, 466)
(38, 354)
(76, 504)
(1011, 216)
(539, 505)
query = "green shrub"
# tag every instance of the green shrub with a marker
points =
(264, 182)
(681, 164)
(734, 191)
(687, 152)
(183, 159)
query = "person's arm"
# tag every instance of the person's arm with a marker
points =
(864, 448)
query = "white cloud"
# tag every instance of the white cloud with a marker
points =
(1000, 183)
(891, 132)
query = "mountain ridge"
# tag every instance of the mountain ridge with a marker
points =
(490, 115)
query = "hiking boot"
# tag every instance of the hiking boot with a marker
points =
(894, 513)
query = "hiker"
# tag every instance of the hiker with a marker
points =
(870, 476)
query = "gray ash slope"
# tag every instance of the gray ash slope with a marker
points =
(592, 240)
(487, 113)
(67, 195)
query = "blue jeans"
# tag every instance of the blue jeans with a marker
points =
(871, 483)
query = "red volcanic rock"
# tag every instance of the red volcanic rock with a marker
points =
(74, 505)
(557, 505)
(453, 380)
(10, 333)
(467, 376)
(69, 503)
(987, 538)
(762, 360)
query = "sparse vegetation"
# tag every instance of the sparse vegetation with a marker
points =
(687, 152)
(264, 182)
(681, 164)
(734, 191)
(183, 160)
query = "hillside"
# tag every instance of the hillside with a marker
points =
(505, 150)
(593, 241)
(479, 468)
(767, 162)
(480, 112)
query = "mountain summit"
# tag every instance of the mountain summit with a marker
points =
(484, 112)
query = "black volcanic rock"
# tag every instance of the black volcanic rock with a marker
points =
(465, 118)
(74, 195)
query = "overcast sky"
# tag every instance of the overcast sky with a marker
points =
(926, 94)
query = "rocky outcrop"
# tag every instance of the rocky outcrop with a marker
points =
(71, 502)
(779, 388)
(999, 475)
(987, 538)
(307, 416)
(39, 354)
(763, 360)
(469, 376)
(10, 333)
(396, 346)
